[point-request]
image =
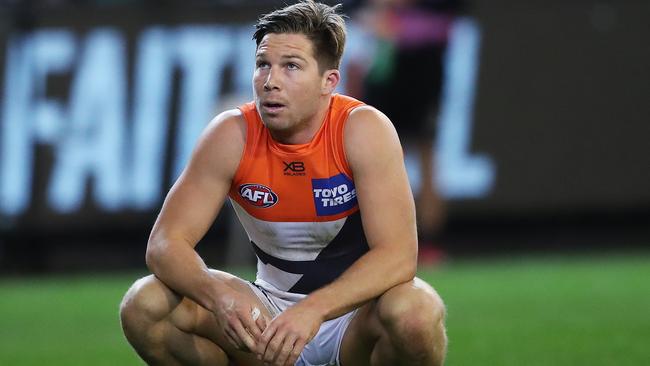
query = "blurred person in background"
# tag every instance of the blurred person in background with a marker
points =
(303, 168)
(404, 81)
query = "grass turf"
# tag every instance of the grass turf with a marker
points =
(518, 311)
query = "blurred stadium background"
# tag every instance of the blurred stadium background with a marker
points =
(542, 158)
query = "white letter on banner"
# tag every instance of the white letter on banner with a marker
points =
(153, 81)
(30, 59)
(53, 52)
(202, 54)
(16, 154)
(244, 63)
(461, 175)
(93, 143)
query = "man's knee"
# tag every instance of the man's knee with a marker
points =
(142, 300)
(412, 315)
(147, 302)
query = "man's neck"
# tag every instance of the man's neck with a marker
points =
(304, 131)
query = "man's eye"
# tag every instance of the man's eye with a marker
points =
(262, 65)
(292, 66)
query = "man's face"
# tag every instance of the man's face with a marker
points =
(287, 83)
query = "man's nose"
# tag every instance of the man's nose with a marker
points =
(271, 81)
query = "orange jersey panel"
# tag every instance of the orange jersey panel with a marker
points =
(296, 183)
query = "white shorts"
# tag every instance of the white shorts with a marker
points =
(324, 349)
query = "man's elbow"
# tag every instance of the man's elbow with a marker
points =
(407, 267)
(153, 255)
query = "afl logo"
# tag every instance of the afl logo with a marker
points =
(258, 195)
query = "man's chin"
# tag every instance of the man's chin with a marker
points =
(274, 122)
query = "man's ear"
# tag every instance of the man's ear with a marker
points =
(330, 81)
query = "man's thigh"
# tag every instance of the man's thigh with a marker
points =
(190, 317)
(360, 337)
(370, 325)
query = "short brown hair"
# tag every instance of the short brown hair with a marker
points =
(320, 23)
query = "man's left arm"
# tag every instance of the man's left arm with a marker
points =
(375, 157)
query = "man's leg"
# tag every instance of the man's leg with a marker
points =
(167, 329)
(404, 326)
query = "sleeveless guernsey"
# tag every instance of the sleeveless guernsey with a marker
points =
(298, 204)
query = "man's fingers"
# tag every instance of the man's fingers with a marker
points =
(296, 351)
(232, 338)
(273, 341)
(285, 351)
(243, 334)
(273, 349)
(261, 322)
(250, 324)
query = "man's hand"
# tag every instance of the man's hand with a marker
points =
(287, 334)
(240, 320)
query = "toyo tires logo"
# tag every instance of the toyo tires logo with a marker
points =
(258, 195)
(334, 195)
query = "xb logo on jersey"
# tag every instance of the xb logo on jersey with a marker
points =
(294, 168)
(258, 195)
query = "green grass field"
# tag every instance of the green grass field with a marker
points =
(518, 311)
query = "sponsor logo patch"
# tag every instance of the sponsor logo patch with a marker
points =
(333, 195)
(294, 168)
(258, 195)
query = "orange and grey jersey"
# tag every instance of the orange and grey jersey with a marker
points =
(298, 204)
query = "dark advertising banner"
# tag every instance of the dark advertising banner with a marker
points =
(544, 107)
(562, 104)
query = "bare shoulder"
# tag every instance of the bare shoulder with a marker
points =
(369, 134)
(222, 143)
(227, 126)
(366, 117)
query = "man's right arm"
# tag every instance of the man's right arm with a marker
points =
(190, 208)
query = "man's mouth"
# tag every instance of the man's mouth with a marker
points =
(272, 107)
